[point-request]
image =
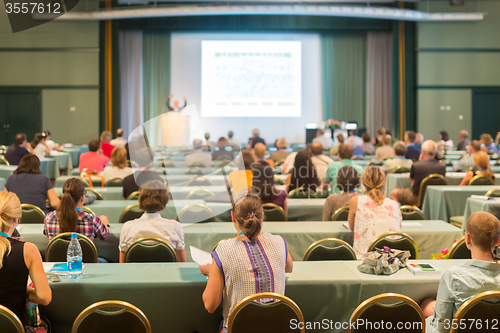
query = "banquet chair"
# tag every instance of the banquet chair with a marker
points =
(329, 249)
(401, 169)
(133, 196)
(280, 162)
(495, 193)
(194, 171)
(482, 308)
(9, 322)
(114, 182)
(265, 316)
(196, 213)
(150, 250)
(87, 210)
(159, 170)
(358, 157)
(215, 246)
(446, 162)
(3, 161)
(197, 165)
(377, 309)
(199, 194)
(32, 214)
(479, 180)
(375, 162)
(132, 164)
(57, 248)
(200, 181)
(459, 250)
(111, 316)
(167, 163)
(412, 213)
(131, 212)
(433, 179)
(274, 213)
(302, 193)
(341, 214)
(98, 195)
(403, 243)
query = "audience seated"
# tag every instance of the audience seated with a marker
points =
(260, 151)
(240, 180)
(320, 160)
(263, 185)
(70, 218)
(335, 149)
(356, 149)
(119, 167)
(482, 163)
(487, 141)
(106, 147)
(144, 159)
(303, 173)
(412, 152)
(377, 142)
(372, 214)
(460, 283)
(385, 151)
(93, 159)
(18, 149)
(347, 182)
(40, 149)
(464, 141)
(153, 198)
(353, 134)
(344, 154)
(399, 160)
(446, 143)
(230, 139)
(50, 143)
(18, 261)
(255, 139)
(231, 275)
(466, 163)
(282, 153)
(419, 170)
(367, 147)
(325, 141)
(419, 139)
(119, 141)
(31, 186)
(220, 150)
(198, 156)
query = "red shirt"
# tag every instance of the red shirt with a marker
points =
(107, 148)
(93, 160)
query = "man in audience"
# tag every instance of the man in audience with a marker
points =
(230, 139)
(426, 166)
(320, 160)
(466, 163)
(367, 146)
(377, 142)
(399, 160)
(282, 153)
(18, 149)
(412, 152)
(356, 150)
(344, 154)
(106, 147)
(93, 159)
(326, 142)
(464, 141)
(198, 157)
(119, 141)
(144, 159)
(255, 139)
(386, 151)
(419, 138)
(358, 142)
(260, 151)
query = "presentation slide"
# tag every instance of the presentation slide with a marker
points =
(250, 78)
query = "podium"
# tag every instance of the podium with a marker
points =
(174, 129)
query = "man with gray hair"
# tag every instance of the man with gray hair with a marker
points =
(464, 141)
(400, 159)
(198, 157)
(426, 166)
(326, 141)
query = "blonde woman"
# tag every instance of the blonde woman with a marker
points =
(119, 167)
(482, 163)
(18, 260)
(372, 214)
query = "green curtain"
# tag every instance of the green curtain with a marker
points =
(343, 76)
(156, 78)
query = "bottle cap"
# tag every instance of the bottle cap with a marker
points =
(73, 235)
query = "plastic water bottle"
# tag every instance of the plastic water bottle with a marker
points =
(74, 258)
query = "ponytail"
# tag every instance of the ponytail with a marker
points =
(10, 208)
(67, 215)
(249, 215)
(374, 180)
(376, 195)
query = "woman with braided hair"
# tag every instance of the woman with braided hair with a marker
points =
(252, 262)
(372, 214)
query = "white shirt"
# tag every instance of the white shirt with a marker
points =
(393, 163)
(118, 142)
(39, 150)
(51, 144)
(114, 171)
(326, 142)
(321, 163)
(152, 225)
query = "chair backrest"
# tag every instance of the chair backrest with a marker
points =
(215, 246)
(111, 316)
(302, 193)
(150, 250)
(195, 214)
(114, 182)
(90, 171)
(433, 179)
(200, 181)
(9, 322)
(376, 310)
(32, 214)
(265, 316)
(87, 210)
(196, 165)
(274, 212)
(194, 171)
(403, 242)
(3, 161)
(167, 163)
(341, 214)
(133, 196)
(199, 194)
(131, 212)
(375, 162)
(412, 213)
(58, 246)
(495, 193)
(98, 195)
(459, 250)
(329, 249)
(482, 308)
(401, 169)
(479, 180)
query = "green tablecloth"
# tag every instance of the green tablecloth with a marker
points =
(75, 155)
(7, 170)
(64, 160)
(431, 236)
(442, 202)
(2, 183)
(170, 294)
(48, 166)
(490, 205)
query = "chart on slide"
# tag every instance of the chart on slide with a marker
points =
(251, 78)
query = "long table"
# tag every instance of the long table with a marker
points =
(430, 236)
(64, 160)
(490, 205)
(170, 294)
(48, 166)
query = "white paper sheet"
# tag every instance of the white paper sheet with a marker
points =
(199, 256)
